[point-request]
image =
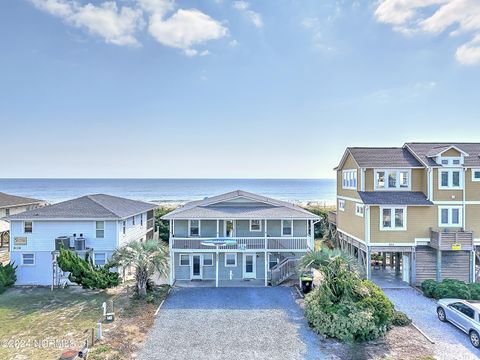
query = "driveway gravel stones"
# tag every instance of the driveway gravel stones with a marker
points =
(231, 323)
(450, 342)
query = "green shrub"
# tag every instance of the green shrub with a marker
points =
(450, 288)
(84, 273)
(400, 319)
(474, 291)
(428, 287)
(7, 276)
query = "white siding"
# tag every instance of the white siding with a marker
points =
(132, 232)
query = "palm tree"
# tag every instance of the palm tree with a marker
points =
(147, 258)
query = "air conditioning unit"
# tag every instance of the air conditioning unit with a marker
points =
(80, 244)
(62, 241)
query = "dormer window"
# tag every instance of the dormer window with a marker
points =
(450, 161)
(350, 179)
(392, 179)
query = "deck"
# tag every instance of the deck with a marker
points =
(245, 244)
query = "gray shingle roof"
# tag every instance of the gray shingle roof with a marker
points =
(7, 200)
(394, 198)
(372, 157)
(258, 207)
(424, 150)
(99, 206)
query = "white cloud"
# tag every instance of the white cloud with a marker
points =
(254, 17)
(183, 29)
(115, 25)
(435, 17)
(234, 43)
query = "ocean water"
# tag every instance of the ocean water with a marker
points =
(171, 190)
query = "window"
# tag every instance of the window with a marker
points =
(341, 205)
(450, 216)
(255, 225)
(450, 179)
(184, 260)
(230, 259)
(133, 220)
(272, 261)
(207, 259)
(229, 228)
(99, 229)
(475, 175)
(444, 162)
(464, 309)
(28, 259)
(7, 212)
(349, 179)
(194, 227)
(287, 228)
(393, 218)
(99, 259)
(456, 162)
(392, 179)
(359, 210)
(451, 161)
(27, 227)
(124, 227)
(141, 219)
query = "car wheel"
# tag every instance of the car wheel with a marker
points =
(475, 338)
(441, 314)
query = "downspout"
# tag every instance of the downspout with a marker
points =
(367, 241)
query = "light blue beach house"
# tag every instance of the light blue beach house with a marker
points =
(238, 237)
(95, 225)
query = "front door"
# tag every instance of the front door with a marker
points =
(196, 269)
(249, 266)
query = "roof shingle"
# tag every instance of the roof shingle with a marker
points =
(7, 200)
(424, 150)
(383, 157)
(394, 198)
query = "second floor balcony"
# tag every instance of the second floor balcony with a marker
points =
(460, 240)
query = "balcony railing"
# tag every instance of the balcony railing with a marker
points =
(244, 244)
(451, 240)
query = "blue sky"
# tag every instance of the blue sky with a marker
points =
(229, 89)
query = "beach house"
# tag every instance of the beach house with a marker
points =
(238, 238)
(92, 225)
(417, 205)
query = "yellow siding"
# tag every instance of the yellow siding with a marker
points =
(452, 153)
(444, 195)
(419, 221)
(349, 164)
(472, 188)
(472, 220)
(349, 222)
(419, 180)
(369, 180)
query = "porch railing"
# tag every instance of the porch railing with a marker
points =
(451, 240)
(249, 243)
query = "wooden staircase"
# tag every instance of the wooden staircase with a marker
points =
(284, 270)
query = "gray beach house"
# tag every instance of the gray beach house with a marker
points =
(238, 237)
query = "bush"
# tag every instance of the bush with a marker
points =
(7, 276)
(474, 291)
(84, 273)
(400, 319)
(428, 287)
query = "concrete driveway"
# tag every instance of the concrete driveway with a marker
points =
(450, 342)
(231, 323)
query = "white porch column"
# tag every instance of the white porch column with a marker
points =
(172, 267)
(266, 269)
(218, 228)
(216, 268)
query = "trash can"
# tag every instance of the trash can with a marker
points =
(69, 355)
(306, 282)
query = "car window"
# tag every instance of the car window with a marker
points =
(464, 309)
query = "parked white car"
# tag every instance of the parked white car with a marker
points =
(463, 314)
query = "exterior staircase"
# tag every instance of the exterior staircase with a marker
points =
(284, 270)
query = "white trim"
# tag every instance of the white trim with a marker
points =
(180, 259)
(450, 224)
(392, 218)
(387, 172)
(353, 237)
(456, 202)
(260, 223)
(393, 244)
(450, 179)
(349, 198)
(367, 224)
(199, 276)
(190, 227)
(225, 259)
(341, 208)
(253, 274)
(349, 175)
(359, 209)
(291, 228)
(203, 259)
(473, 175)
(270, 255)
(33, 257)
(450, 147)
(95, 258)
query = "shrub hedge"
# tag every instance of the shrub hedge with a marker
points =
(7, 276)
(400, 319)
(450, 288)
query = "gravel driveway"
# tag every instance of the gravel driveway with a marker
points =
(450, 342)
(231, 323)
